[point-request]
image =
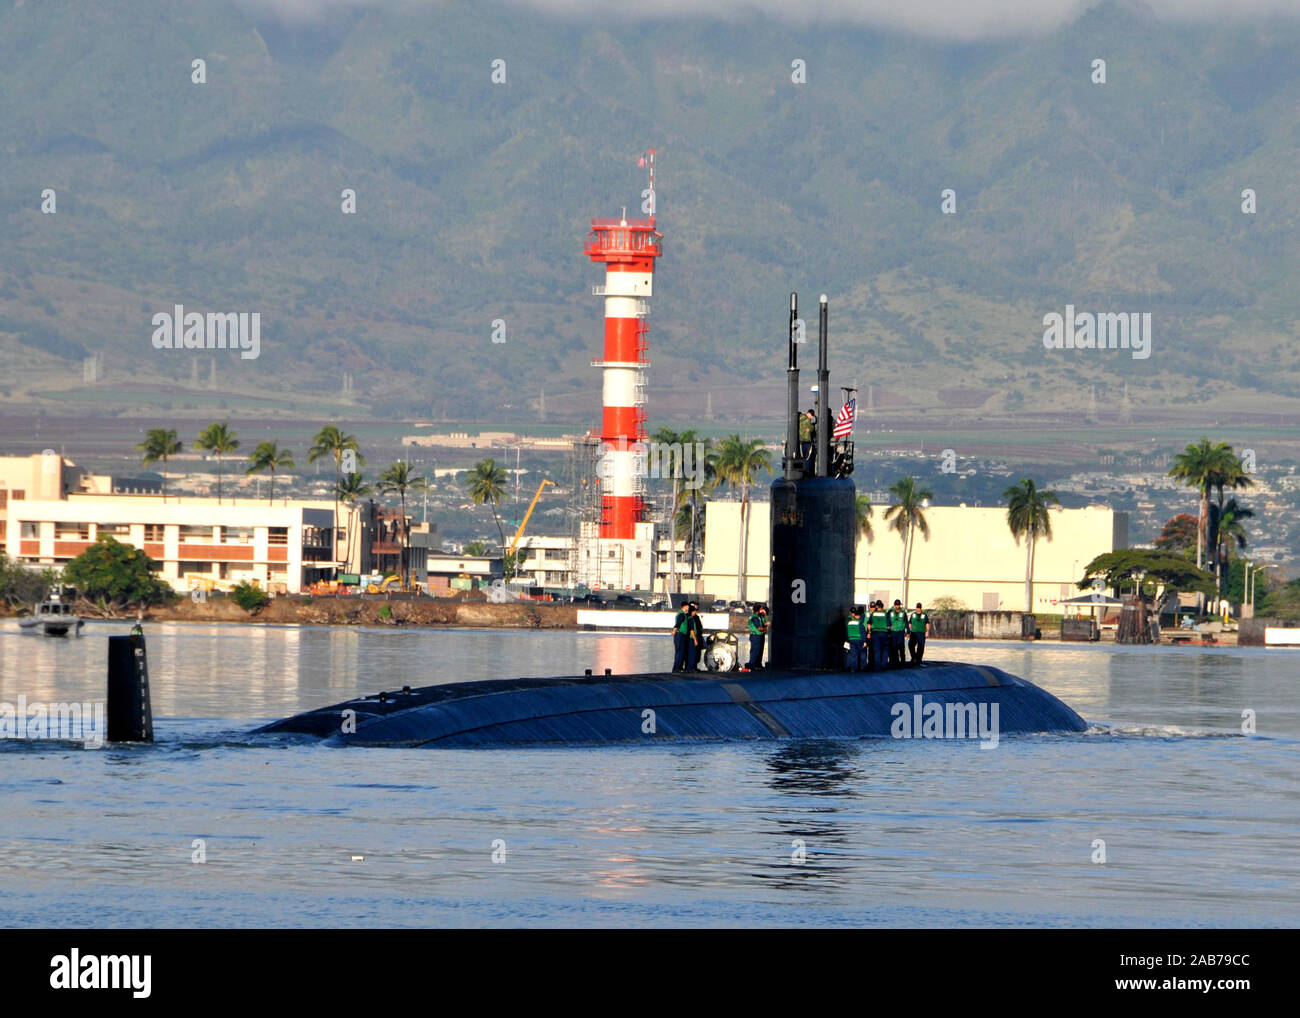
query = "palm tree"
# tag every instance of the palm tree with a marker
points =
(1228, 474)
(667, 438)
(399, 479)
(689, 524)
(907, 516)
(217, 438)
(269, 456)
(696, 502)
(159, 444)
(1228, 530)
(1198, 466)
(1028, 517)
(863, 511)
(737, 464)
(351, 489)
(332, 442)
(487, 483)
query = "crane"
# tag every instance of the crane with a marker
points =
(524, 522)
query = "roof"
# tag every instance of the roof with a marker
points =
(1093, 598)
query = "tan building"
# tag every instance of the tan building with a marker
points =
(970, 556)
(193, 542)
(51, 510)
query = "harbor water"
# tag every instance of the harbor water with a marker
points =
(1165, 813)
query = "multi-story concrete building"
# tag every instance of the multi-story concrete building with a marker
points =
(193, 543)
(970, 555)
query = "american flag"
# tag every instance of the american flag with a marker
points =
(844, 420)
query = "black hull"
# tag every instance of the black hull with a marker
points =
(705, 706)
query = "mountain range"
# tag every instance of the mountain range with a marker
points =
(473, 197)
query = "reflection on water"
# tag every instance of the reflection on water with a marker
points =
(1199, 829)
(814, 767)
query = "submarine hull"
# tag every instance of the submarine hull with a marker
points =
(778, 704)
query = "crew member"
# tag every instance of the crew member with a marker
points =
(878, 629)
(855, 631)
(919, 626)
(681, 637)
(897, 634)
(695, 637)
(757, 637)
(808, 437)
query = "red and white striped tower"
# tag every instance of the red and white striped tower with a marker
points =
(628, 247)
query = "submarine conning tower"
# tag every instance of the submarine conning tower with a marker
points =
(814, 528)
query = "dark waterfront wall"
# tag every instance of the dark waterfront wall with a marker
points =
(1250, 632)
(999, 625)
(1083, 630)
(814, 530)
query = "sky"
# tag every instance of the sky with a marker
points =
(955, 19)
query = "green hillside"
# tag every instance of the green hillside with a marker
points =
(473, 200)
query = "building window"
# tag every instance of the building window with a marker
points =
(611, 552)
(4, 497)
(66, 531)
(153, 532)
(556, 554)
(638, 553)
(18, 494)
(3, 528)
(277, 535)
(194, 567)
(31, 531)
(236, 535)
(117, 531)
(190, 534)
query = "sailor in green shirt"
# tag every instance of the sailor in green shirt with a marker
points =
(919, 627)
(897, 634)
(681, 637)
(757, 637)
(855, 633)
(807, 437)
(878, 629)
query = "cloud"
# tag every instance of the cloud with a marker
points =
(954, 19)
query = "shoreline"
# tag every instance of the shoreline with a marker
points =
(428, 612)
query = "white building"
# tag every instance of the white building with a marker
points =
(642, 563)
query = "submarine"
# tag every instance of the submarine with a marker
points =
(806, 693)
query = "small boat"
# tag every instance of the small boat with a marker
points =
(54, 616)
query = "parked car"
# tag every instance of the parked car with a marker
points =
(658, 606)
(628, 601)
